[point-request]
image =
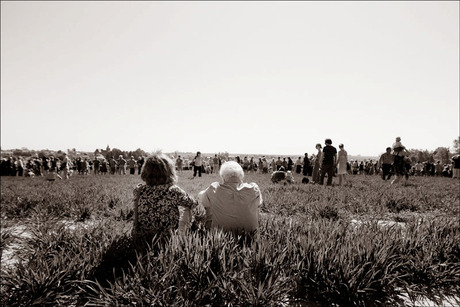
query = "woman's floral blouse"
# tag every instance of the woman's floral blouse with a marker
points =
(157, 207)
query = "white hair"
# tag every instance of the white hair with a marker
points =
(231, 169)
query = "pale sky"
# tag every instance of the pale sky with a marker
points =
(242, 77)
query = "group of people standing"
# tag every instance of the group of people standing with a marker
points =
(65, 166)
(35, 166)
(329, 162)
(326, 162)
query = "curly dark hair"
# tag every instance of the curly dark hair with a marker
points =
(158, 169)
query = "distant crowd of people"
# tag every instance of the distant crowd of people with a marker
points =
(326, 162)
(64, 166)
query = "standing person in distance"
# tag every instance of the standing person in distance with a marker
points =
(132, 165)
(290, 163)
(96, 165)
(399, 164)
(140, 163)
(215, 163)
(306, 165)
(386, 163)
(342, 164)
(298, 165)
(329, 162)
(456, 166)
(66, 164)
(316, 169)
(179, 164)
(197, 164)
(121, 165)
(113, 165)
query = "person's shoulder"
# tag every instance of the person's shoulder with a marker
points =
(250, 189)
(249, 185)
(176, 188)
(215, 185)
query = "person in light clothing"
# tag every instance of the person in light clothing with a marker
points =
(298, 165)
(66, 164)
(232, 205)
(398, 146)
(342, 164)
(215, 162)
(317, 167)
(179, 164)
(121, 165)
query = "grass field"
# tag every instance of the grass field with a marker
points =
(367, 244)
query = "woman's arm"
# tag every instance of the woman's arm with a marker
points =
(184, 219)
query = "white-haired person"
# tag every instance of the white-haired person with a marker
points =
(121, 162)
(232, 205)
(66, 166)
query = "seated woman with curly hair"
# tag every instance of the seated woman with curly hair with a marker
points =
(156, 214)
(157, 202)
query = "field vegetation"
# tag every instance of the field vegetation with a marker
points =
(366, 244)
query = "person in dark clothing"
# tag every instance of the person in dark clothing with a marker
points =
(399, 164)
(140, 162)
(386, 163)
(306, 165)
(329, 162)
(290, 163)
(456, 168)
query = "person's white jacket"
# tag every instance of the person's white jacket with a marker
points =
(232, 205)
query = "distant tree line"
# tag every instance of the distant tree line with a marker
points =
(73, 153)
(115, 153)
(442, 154)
